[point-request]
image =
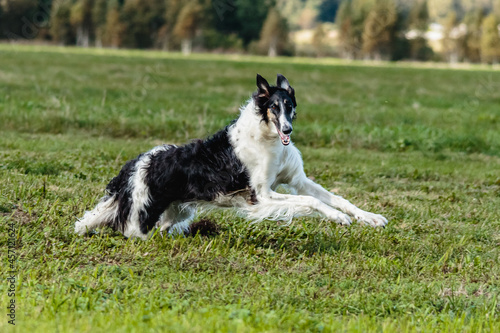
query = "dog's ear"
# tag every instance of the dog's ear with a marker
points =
(283, 83)
(263, 86)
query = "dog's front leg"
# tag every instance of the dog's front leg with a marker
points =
(308, 187)
(278, 206)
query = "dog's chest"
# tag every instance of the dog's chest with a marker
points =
(261, 156)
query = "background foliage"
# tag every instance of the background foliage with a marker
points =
(367, 29)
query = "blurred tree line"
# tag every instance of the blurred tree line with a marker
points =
(367, 29)
(399, 29)
(163, 24)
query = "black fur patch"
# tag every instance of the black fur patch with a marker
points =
(201, 170)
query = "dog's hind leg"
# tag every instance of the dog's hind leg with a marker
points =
(103, 214)
(176, 218)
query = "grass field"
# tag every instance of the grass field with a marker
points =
(420, 146)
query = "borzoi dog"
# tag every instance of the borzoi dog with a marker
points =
(239, 167)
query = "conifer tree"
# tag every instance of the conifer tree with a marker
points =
(251, 15)
(274, 34)
(350, 19)
(81, 20)
(472, 41)
(114, 29)
(170, 15)
(245, 18)
(379, 30)
(99, 12)
(142, 20)
(12, 23)
(60, 24)
(188, 21)
(418, 23)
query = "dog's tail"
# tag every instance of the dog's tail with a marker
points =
(104, 214)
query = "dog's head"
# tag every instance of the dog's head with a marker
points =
(276, 105)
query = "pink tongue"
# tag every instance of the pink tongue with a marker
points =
(285, 139)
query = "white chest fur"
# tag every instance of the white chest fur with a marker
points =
(259, 148)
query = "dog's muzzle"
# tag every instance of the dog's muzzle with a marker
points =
(285, 135)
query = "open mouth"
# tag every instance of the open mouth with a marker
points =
(285, 139)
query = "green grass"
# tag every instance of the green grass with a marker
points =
(420, 146)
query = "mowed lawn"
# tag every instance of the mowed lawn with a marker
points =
(419, 145)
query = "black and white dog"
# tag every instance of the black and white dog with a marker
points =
(239, 167)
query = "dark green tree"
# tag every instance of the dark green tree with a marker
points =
(142, 20)
(17, 19)
(472, 40)
(60, 24)
(418, 23)
(165, 37)
(379, 30)
(242, 17)
(115, 29)
(274, 34)
(81, 20)
(189, 20)
(350, 20)
(99, 13)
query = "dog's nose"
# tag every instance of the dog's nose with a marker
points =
(287, 130)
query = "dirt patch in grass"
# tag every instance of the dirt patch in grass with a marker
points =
(204, 227)
(19, 216)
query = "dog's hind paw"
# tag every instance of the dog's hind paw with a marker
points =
(375, 220)
(82, 229)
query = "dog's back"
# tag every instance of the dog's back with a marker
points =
(148, 185)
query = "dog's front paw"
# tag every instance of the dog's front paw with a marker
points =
(342, 219)
(375, 220)
(82, 229)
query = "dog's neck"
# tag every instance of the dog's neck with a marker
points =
(251, 125)
(258, 146)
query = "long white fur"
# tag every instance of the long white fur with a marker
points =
(270, 164)
(105, 211)
(177, 218)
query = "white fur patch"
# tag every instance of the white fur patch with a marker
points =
(176, 213)
(105, 211)
(140, 191)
